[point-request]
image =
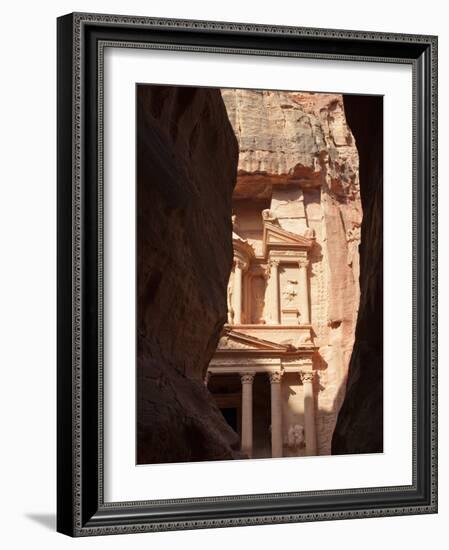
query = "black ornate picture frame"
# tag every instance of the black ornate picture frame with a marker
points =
(81, 508)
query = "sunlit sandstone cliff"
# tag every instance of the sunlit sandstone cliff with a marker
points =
(298, 153)
(186, 170)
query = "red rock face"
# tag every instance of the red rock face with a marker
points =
(359, 426)
(186, 170)
(298, 153)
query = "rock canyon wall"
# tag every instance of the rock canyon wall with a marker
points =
(298, 158)
(360, 422)
(186, 170)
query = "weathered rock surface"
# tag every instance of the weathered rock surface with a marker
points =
(359, 427)
(289, 137)
(186, 163)
(298, 152)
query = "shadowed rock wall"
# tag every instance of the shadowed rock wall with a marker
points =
(359, 426)
(187, 158)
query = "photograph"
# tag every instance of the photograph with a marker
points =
(256, 288)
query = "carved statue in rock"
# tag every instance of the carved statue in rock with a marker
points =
(290, 290)
(230, 306)
(295, 437)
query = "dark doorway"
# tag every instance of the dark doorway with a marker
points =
(261, 417)
(230, 415)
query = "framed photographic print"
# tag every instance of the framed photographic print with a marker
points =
(246, 274)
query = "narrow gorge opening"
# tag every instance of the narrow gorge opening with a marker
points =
(250, 205)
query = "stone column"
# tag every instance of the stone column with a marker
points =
(309, 413)
(304, 293)
(276, 414)
(238, 278)
(247, 412)
(274, 274)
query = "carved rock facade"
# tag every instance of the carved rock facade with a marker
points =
(293, 293)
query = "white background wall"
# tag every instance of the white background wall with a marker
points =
(28, 268)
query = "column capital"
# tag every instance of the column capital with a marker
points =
(239, 263)
(275, 377)
(303, 263)
(306, 376)
(273, 263)
(247, 377)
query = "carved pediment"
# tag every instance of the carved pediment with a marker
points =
(275, 235)
(233, 340)
(226, 342)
